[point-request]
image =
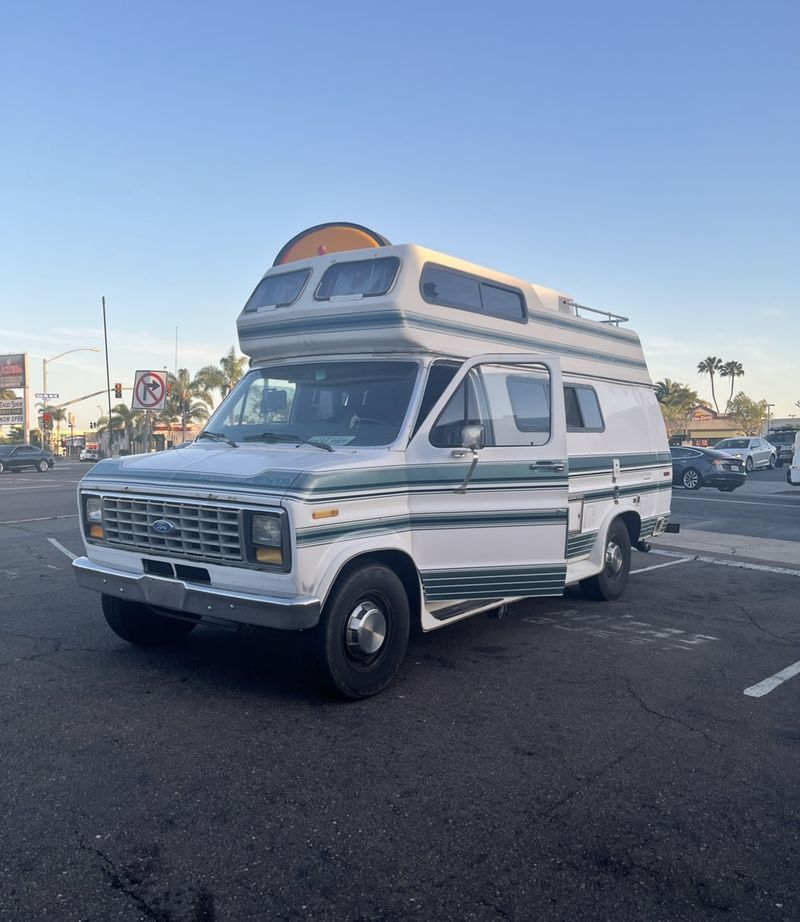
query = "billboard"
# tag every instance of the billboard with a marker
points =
(12, 371)
(12, 413)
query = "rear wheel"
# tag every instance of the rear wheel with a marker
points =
(360, 641)
(692, 479)
(140, 625)
(610, 583)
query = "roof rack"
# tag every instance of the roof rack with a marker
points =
(613, 319)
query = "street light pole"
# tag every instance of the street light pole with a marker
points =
(45, 363)
(769, 407)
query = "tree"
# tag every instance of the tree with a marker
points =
(675, 401)
(224, 377)
(711, 366)
(189, 399)
(123, 419)
(732, 370)
(747, 413)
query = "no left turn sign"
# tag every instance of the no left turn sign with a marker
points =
(149, 390)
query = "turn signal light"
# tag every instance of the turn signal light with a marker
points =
(95, 531)
(272, 555)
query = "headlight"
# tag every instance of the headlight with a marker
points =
(267, 536)
(93, 509)
(267, 530)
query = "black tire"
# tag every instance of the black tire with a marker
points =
(726, 489)
(772, 462)
(779, 462)
(610, 583)
(367, 602)
(42, 466)
(140, 625)
(692, 478)
(748, 464)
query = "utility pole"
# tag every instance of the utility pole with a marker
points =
(108, 384)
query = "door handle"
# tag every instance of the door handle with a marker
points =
(548, 466)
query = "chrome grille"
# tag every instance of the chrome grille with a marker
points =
(201, 532)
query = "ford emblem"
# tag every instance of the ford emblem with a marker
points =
(162, 526)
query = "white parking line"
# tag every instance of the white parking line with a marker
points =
(61, 548)
(658, 566)
(765, 687)
(44, 518)
(739, 502)
(763, 568)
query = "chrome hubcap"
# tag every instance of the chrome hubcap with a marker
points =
(366, 630)
(614, 557)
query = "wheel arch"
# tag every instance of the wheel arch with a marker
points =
(399, 562)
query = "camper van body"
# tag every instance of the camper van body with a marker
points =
(468, 432)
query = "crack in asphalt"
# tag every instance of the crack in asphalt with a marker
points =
(753, 621)
(676, 720)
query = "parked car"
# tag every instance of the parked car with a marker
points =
(89, 454)
(18, 457)
(753, 452)
(694, 467)
(782, 441)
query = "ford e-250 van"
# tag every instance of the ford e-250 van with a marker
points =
(418, 439)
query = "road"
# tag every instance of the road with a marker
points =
(575, 760)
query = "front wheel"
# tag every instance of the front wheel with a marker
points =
(748, 464)
(692, 479)
(772, 462)
(2, 467)
(42, 466)
(361, 639)
(610, 582)
(726, 489)
(140, 625)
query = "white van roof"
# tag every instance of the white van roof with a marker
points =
(410, 316)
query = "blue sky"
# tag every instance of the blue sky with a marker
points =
(640, 156)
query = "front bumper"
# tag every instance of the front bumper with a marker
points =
(209, 604)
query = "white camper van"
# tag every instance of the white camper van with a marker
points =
(418, 440)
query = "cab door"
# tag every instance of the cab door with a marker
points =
(489, 523)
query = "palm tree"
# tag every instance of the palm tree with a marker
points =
(711, 366)
(223, 377)
(123, 419)
(189, 398)
(676, 394)
(59, 414)
(732, 370)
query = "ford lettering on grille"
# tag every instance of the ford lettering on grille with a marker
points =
(162, 526)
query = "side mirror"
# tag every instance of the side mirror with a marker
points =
(473, 437)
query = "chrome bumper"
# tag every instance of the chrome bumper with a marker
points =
(199, 600)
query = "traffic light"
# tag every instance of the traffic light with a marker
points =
(47, 419)
(117, 390)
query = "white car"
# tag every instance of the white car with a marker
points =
(89, 454)
(754, 452)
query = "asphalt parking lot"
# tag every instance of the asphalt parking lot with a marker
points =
(575, 760)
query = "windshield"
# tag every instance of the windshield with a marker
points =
(733, 443)
(343, 403)
(782, 438)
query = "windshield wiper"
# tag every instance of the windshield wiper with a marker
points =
(217, 437)
(280, 437)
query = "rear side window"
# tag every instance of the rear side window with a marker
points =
(583, 409)
(364, 277)
(471, 293)
(278, 290)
